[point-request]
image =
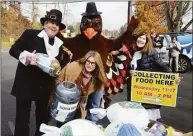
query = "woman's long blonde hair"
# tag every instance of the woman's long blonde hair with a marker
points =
(98, 74)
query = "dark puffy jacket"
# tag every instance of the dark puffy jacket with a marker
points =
(149, 62)
(152, 62)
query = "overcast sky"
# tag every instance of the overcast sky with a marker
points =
(114, 14)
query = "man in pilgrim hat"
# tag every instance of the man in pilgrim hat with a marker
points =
(31, 83)
(91, 39)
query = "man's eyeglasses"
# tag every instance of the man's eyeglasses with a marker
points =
(88, 62)
(94, 23)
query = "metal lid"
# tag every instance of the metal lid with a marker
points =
(68, 91)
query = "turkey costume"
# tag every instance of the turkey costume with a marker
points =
(90, 38)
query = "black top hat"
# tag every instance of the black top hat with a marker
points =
(54, 15)
(91, 10)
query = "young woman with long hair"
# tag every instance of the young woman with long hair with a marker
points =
(88, 73)
(146, 58)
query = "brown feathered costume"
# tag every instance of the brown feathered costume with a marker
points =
(91, 39)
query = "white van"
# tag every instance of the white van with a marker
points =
(185, 58)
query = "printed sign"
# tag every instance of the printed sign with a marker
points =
(154, 88)
(65, 111)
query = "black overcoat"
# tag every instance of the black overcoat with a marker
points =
(30, 81)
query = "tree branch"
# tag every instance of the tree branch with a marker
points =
(185, 8)
(187, 25)
(187, 11)
(172, 13)
(179, 10)
(168, 18)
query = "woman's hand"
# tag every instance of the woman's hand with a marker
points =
(178, 80)
(132, 72)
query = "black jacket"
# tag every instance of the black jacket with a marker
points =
(149, 62)
(157, 43)
(152, 62)
(30, 81)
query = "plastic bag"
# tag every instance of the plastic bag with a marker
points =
(128, 112)
(52, 134)
(81, 127)
(50, 130)
(48, 64)
(159, 129)
(99, 112)
(77, 127)
(120, 129)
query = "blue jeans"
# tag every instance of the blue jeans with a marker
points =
(94, 102)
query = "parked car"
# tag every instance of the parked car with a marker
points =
(185, 59)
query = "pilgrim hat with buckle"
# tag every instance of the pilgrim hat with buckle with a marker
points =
(54, 15)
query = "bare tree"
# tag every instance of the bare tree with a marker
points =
(187, 25)
(175, 11)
